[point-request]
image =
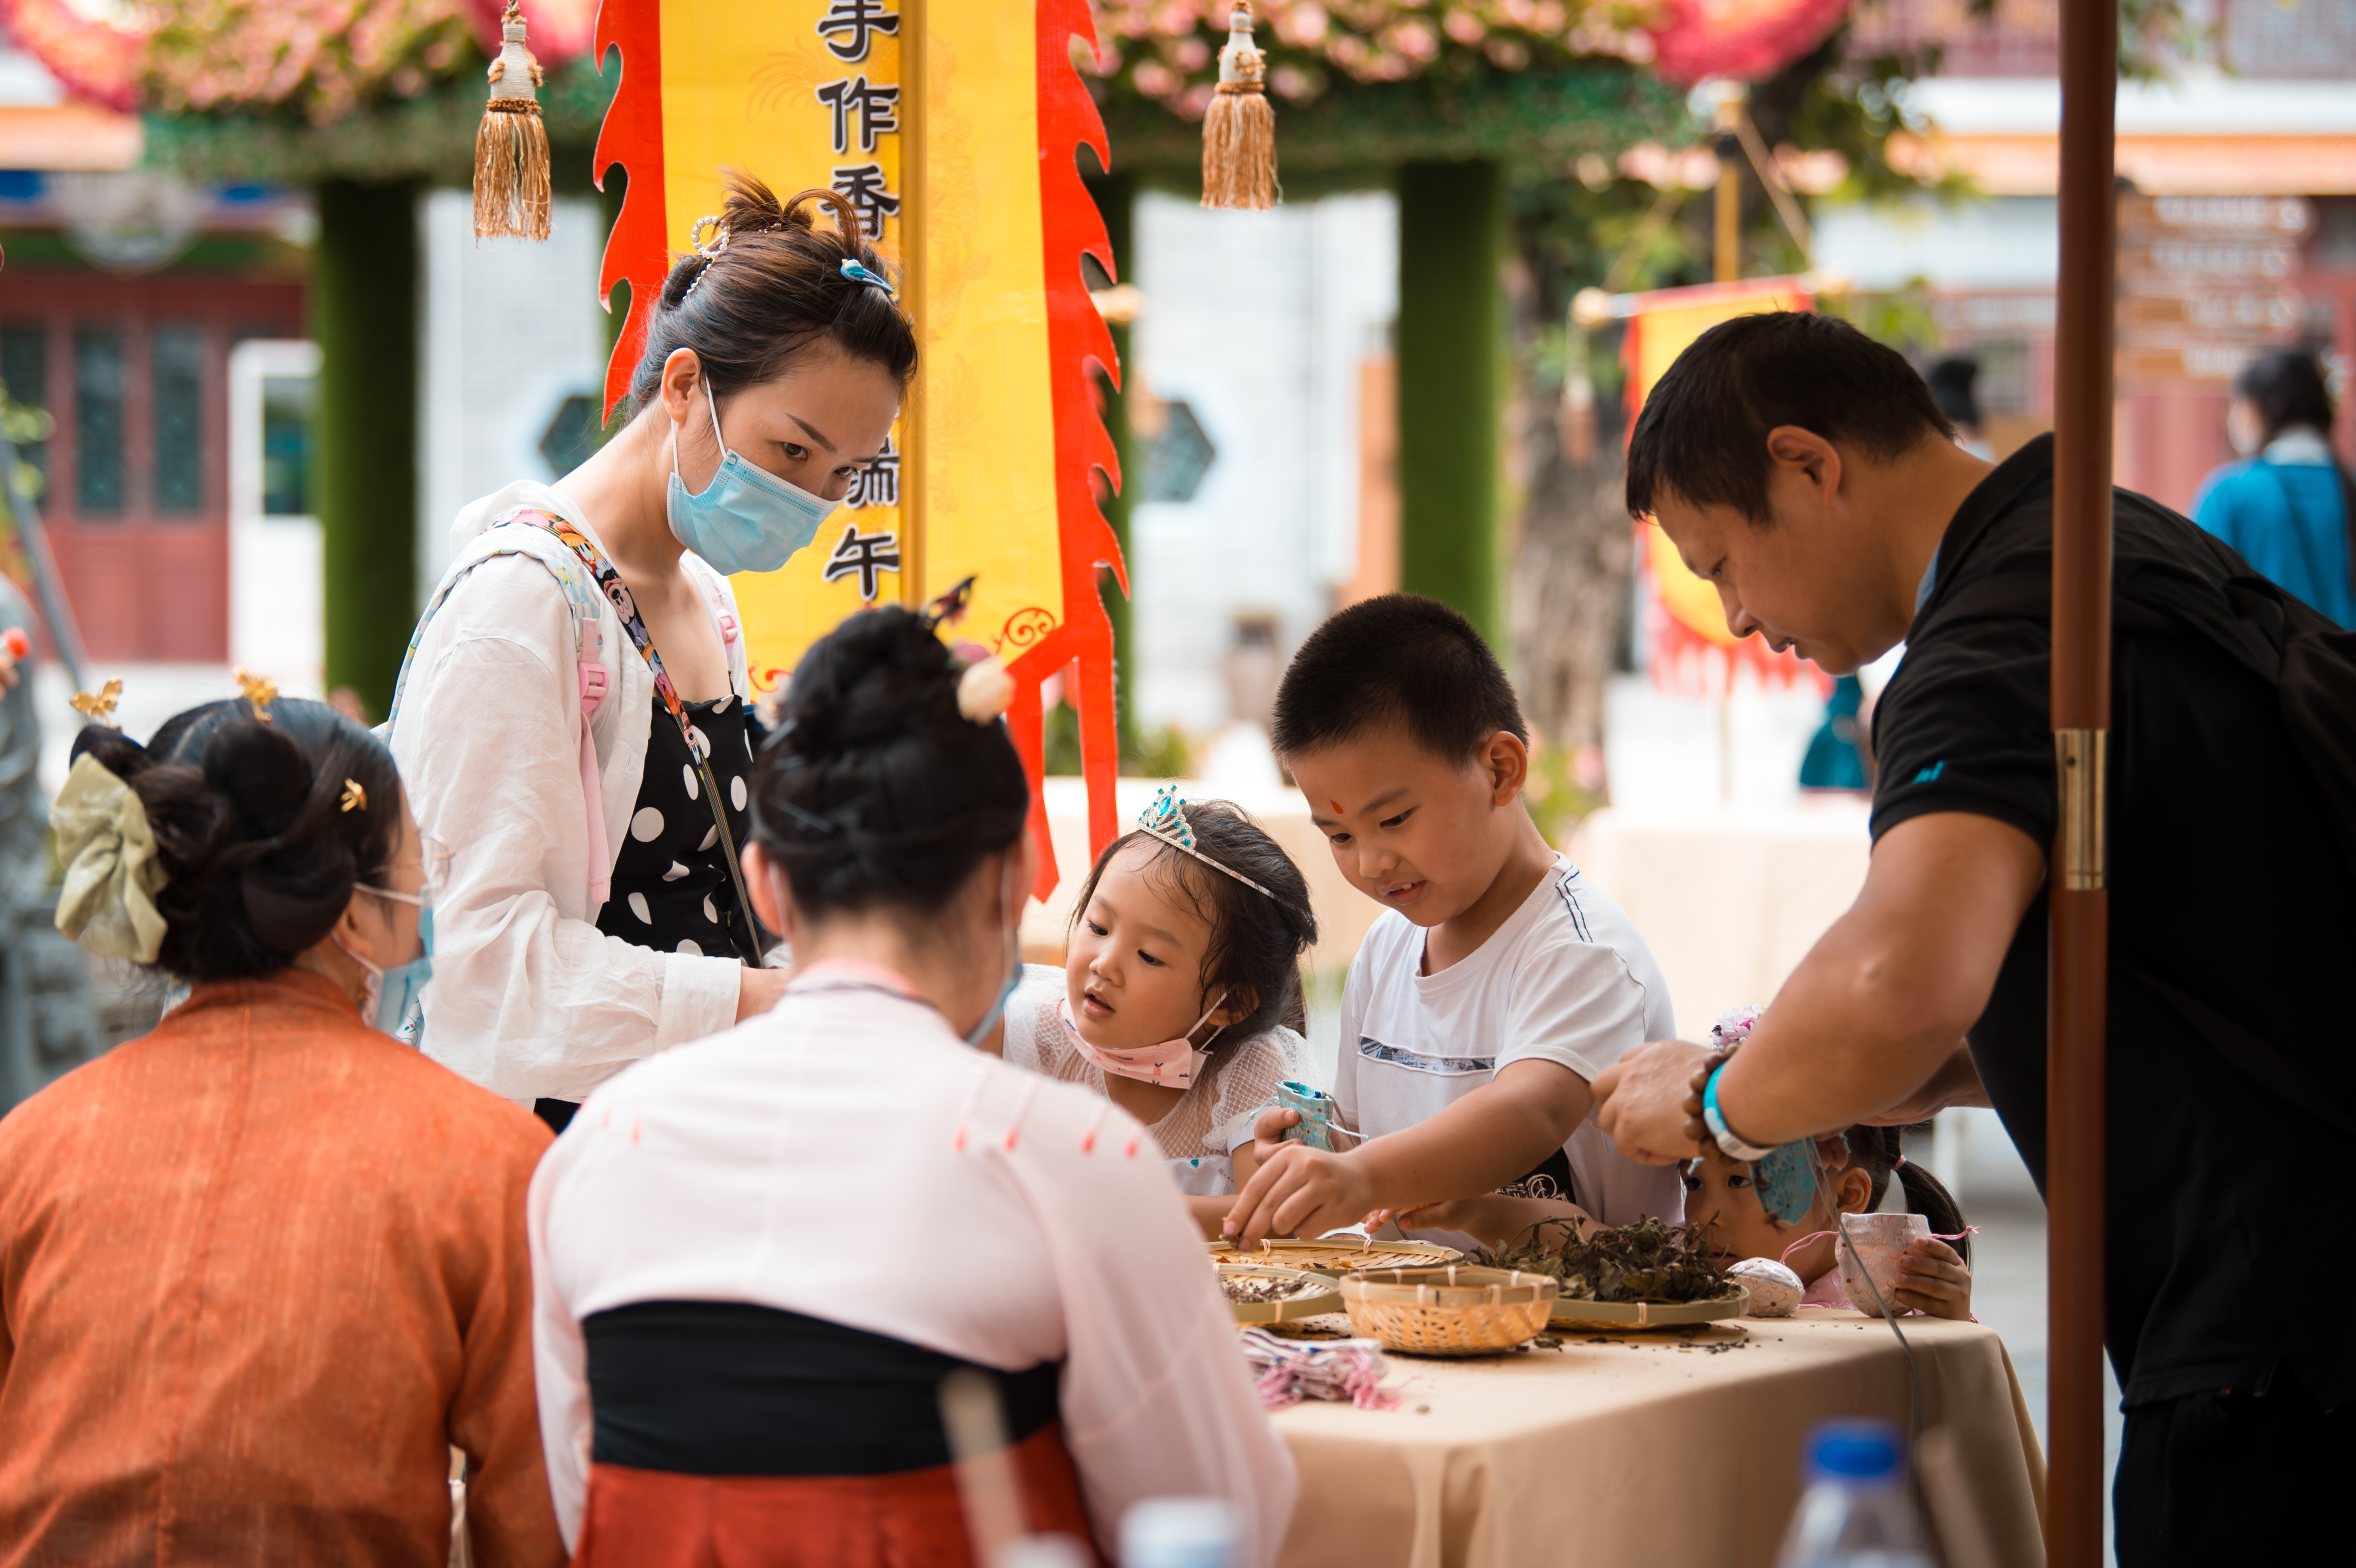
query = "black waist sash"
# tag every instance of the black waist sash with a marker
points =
(729, 1388)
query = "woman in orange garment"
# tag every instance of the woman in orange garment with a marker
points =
(261, 1271)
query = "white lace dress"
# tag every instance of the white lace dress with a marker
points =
(1200, 1133)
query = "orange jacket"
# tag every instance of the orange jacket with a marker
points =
(258, 1272)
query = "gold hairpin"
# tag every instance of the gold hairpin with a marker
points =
(355, 797)
(259, 691)
(99, 709)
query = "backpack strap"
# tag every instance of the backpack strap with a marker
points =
(528, 531)
(515, 534)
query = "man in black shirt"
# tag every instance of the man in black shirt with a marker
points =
(1805, 471)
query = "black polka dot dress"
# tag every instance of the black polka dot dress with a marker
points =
(672, 890)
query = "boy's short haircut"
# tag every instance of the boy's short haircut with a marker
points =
(1399, 658)
(1702, 436)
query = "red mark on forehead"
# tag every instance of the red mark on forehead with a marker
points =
(1336, 805)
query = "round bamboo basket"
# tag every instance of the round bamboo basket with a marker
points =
(1460, 1311)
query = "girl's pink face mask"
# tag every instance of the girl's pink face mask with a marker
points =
(1173, 1064)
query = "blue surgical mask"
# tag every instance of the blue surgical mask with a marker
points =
(746, 519)
(1013, 962)
(394, 1003)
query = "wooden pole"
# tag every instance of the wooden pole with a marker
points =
(2079, 926)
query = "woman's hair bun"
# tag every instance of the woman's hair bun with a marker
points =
(775, 288)
(260, 857)
(876, 790)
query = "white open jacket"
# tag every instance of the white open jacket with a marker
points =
(529, 999)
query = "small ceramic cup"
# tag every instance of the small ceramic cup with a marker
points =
(1877, 1241)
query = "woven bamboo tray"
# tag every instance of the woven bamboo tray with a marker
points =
(1335, 1255)
(1320, 1298)
(1646, 1314)
(1459, 1310)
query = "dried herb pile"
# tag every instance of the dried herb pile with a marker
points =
(1647, 1261)
(1256, 1288)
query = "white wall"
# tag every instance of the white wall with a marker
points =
(511, 329)
(1259, 320)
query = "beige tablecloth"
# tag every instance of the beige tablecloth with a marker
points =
(1646, 1450)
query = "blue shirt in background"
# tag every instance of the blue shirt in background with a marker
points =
(2287, 515)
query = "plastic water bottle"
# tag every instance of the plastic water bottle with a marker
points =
(1181, 1532)
(1857, 1512)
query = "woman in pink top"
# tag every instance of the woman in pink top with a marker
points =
(758, 1256)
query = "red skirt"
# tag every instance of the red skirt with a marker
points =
(910, 1519)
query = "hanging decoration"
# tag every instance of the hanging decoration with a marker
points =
(1690, 649)
(954, 129)
(1239, 126)
(511, 173)
(1749, 40)
(94, 51)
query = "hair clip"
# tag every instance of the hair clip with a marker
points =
(858, 273)
(259, 691)
(950, 607)
(720, 231)
(809, 819)
(1165, 819)
(355, 797)
(99, 709)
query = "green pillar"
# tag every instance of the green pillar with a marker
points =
(1116, 200)
(364, 287)
(1450, 334)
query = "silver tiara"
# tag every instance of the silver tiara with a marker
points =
(1165, 819)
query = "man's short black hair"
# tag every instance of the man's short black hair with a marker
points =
(1702, 436)
(1400, 658)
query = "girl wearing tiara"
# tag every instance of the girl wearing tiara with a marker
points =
(1180, 996)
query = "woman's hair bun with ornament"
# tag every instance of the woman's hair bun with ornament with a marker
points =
(259, 853)
(875, 788)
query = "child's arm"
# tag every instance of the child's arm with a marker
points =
(1211, 1213)
(1934, 1278)
(1492, 1135)
(1494, 1220)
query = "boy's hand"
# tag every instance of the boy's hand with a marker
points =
(1934, 1278)
(1298, 1191)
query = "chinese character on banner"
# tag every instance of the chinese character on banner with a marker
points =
(863, 183)
(876, 107)
(952, 133)
(859, 19)
(869, 555)
(878, 484)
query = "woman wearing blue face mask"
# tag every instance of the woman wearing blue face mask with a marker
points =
(574, 710)
(261, 1270)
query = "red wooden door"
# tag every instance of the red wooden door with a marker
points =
(136, 373)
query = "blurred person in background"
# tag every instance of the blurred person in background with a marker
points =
(2286, 506)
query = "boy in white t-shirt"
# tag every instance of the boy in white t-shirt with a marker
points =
(1498, 982)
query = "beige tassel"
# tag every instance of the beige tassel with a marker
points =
(511, 144)
(1239, 129)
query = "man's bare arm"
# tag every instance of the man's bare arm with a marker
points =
(1873, 1012)
(1956, 1083)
